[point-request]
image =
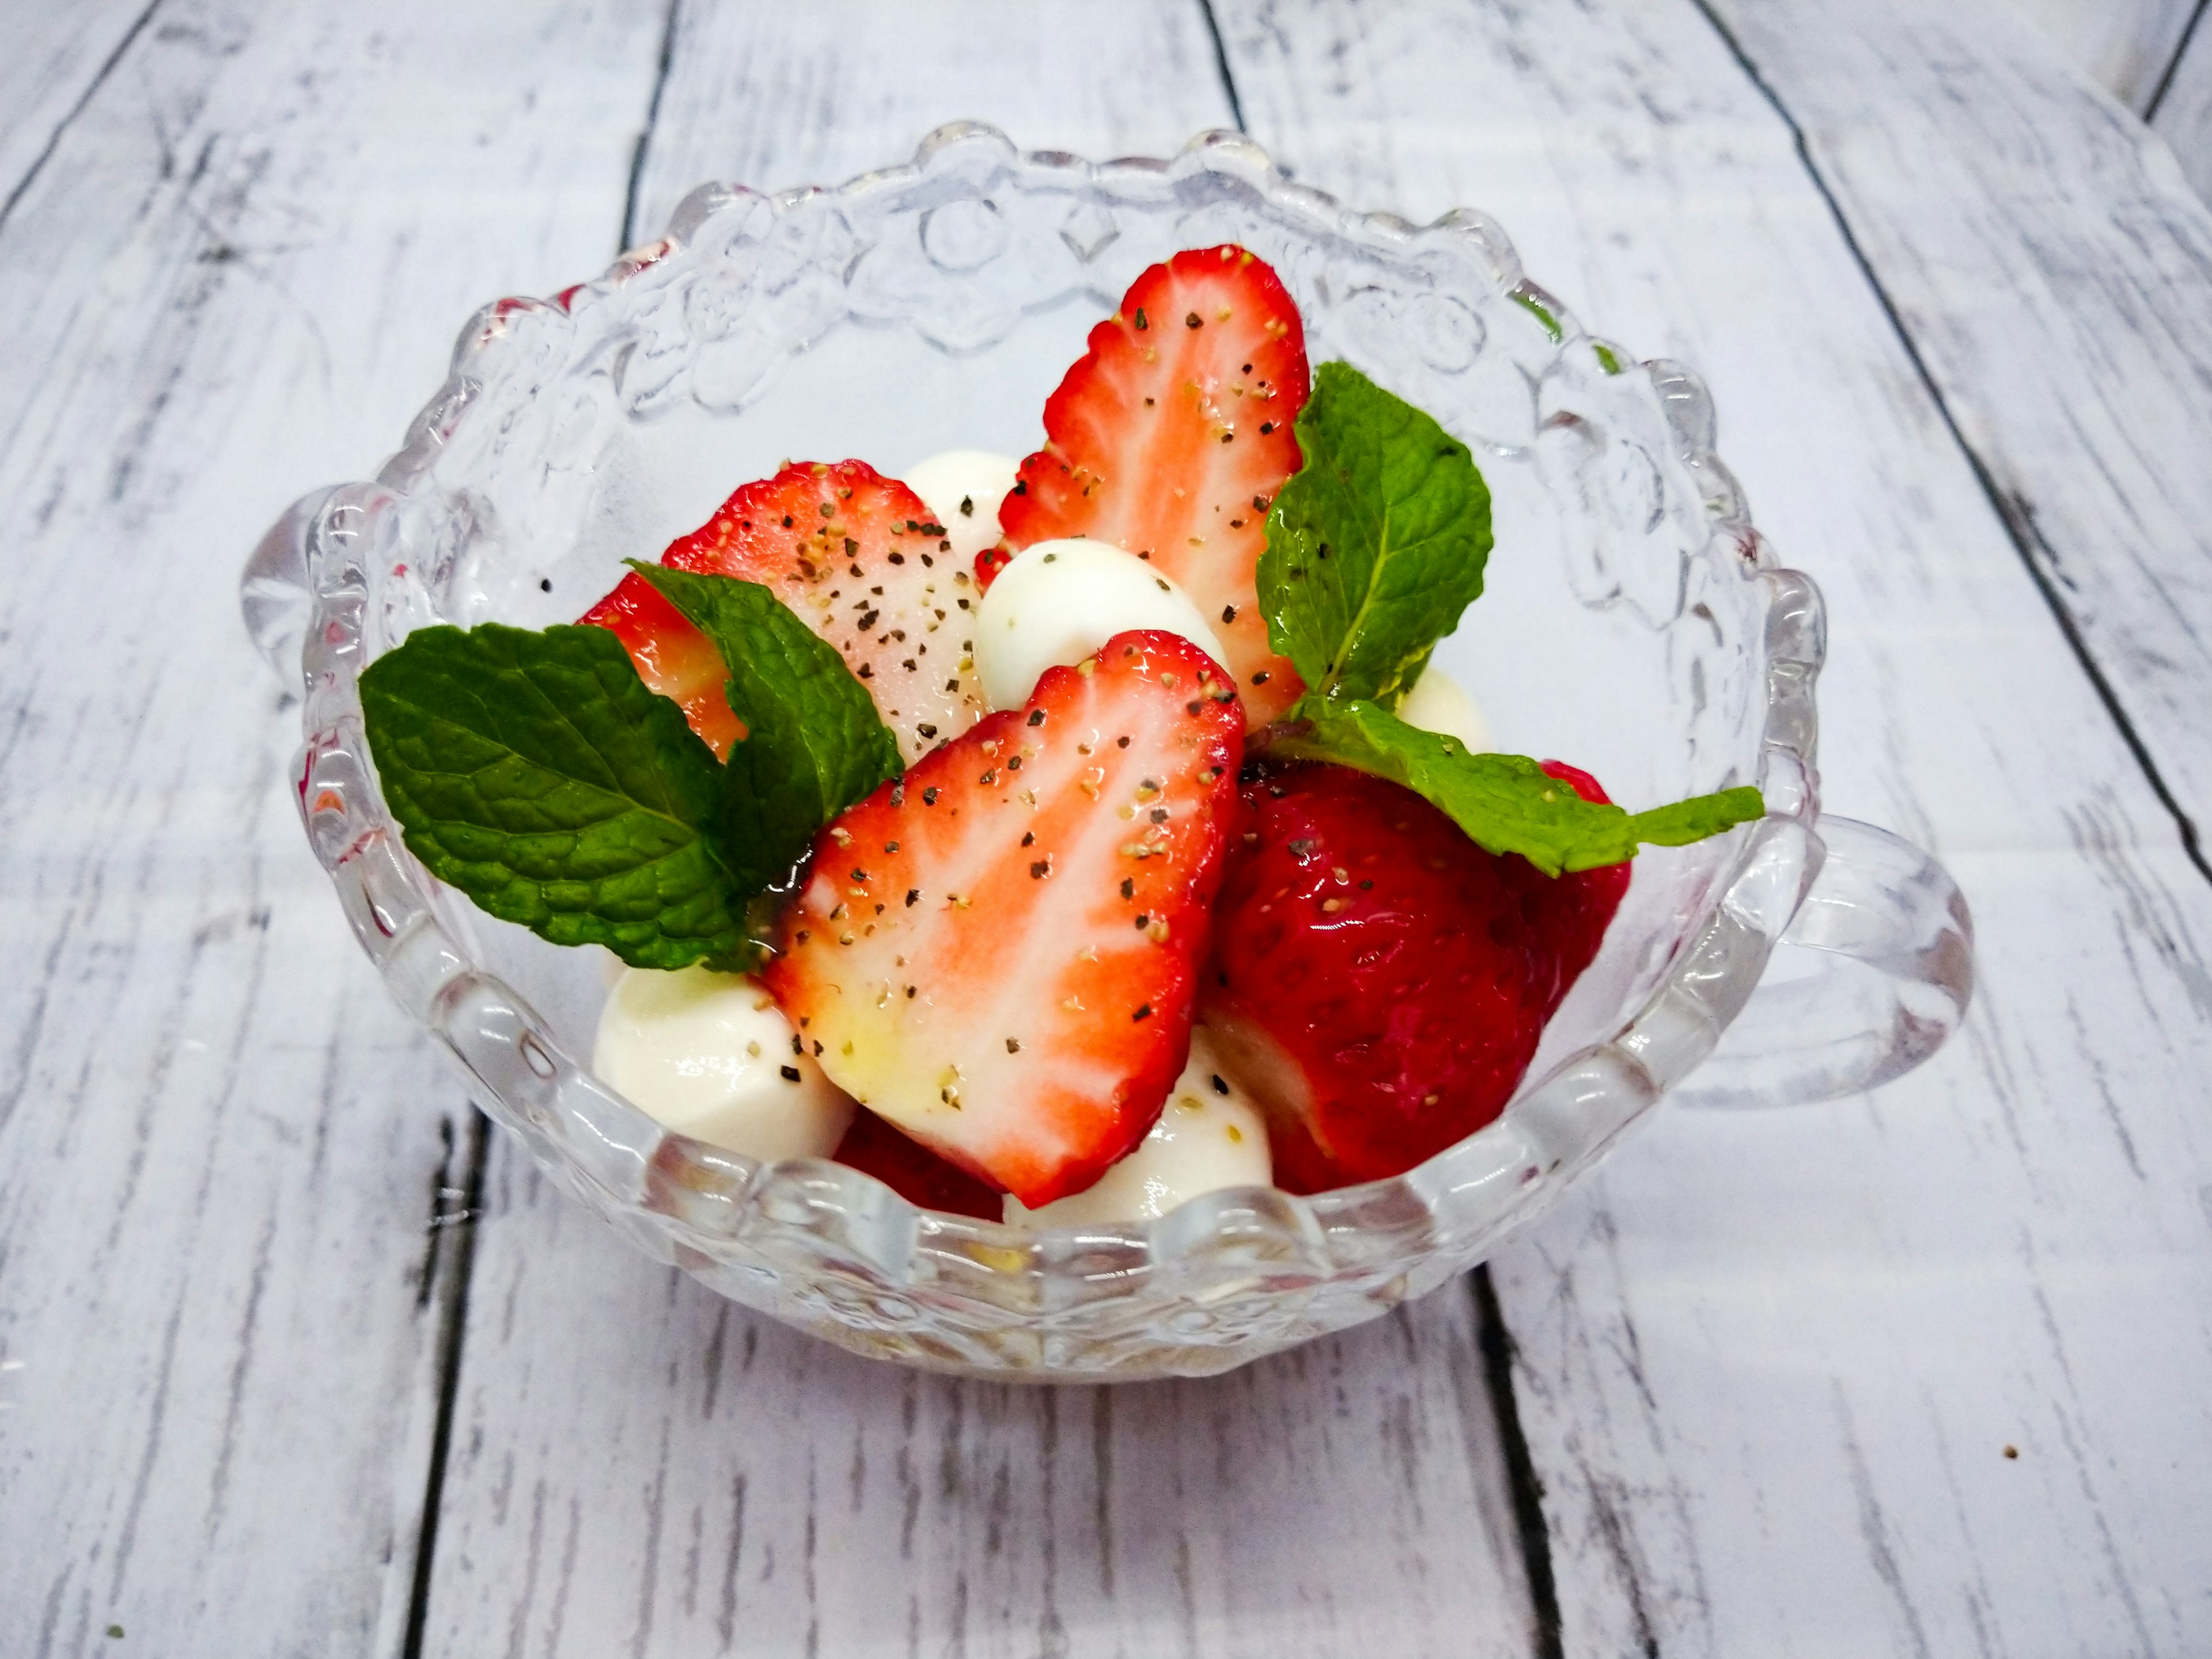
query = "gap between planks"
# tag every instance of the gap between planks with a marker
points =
(1221, 65)
(1532, 1532)
(2180, 50)
(61, 128)
(456, 1257)
(452, 1251)
(670, 24)
(454, 1234)
(447, 1275)
(2016, 514)
(1547, 1636)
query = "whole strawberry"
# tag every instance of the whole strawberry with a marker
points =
(1381, 979)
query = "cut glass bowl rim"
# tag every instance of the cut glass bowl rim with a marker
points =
(305, 602)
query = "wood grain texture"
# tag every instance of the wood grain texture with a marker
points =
(2123, 45)
(2183, 116)
(641, 1469)
(222, 1151)
(1769, 1364)
(2061, 297)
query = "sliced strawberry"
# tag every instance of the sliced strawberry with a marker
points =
(913, 1171)
(1169, 437)
(860, 558)
(673, 658)
(998, 953)
(1379, 981)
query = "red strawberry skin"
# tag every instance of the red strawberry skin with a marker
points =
(1169, 439)
(673, 658)
(999, 953)
(859, 558)
(1381, 981)
(913, 1171)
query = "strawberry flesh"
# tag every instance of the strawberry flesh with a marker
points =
(857, 557)
(1169, 439)
(1381, 979)
(673, 658)
(999, 953)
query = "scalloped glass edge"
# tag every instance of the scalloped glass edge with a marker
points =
(1230, 1276)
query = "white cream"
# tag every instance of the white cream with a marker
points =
(1439, 703)
(1058, 601)
(710, 1055)
(1209, 1136)
(964, 487)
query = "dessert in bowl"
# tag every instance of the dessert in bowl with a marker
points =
(1633, 623)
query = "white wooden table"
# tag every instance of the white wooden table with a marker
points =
(295, 1359)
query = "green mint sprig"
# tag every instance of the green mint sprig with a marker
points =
(1375, 547)
(535, 773)
(538, 774)
(1506, 803)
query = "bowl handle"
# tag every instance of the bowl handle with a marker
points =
(1875, 971)
(275, 592)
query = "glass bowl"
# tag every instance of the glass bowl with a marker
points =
(1635, 624)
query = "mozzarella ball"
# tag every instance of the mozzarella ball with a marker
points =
(1058, 602)
(710, 1055)
(1210, 1135)
(1438, 703)
(964, 487)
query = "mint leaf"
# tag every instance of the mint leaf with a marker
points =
(536, 773)
(1506, 803)
(1698, 817)
(1375, 545)
(813, 744)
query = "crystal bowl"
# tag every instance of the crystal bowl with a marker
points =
(1635, 624)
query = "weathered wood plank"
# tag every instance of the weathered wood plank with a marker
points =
(1769, 1364)
(640, 1467)
(221, 1149)
(2183, 115)
(2061, 299)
